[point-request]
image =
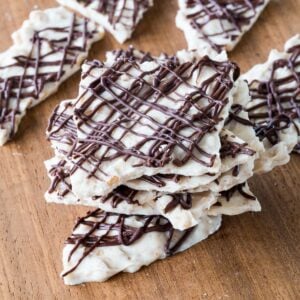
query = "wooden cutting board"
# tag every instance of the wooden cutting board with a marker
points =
(253, 256)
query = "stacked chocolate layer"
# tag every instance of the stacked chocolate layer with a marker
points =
(161, 147)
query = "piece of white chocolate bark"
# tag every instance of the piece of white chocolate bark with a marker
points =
(119, 17)
(274, 106)
(237, 157)
(218, 25)
(104, 244)
(48, 48)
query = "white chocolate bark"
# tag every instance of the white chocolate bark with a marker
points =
(278, 152)
(104, 262)
(219, 29)
(119, 239)
(129, 201)
(120, 20)
(48, 48)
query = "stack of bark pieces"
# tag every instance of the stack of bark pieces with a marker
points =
(161, 147)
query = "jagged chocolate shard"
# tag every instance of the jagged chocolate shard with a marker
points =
(217, 24)
(47, 49)
(119, 17)
(274, 108)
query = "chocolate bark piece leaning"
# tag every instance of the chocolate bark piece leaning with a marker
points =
(274, 107)
(217, 24)
(119, 17)
(46, 50)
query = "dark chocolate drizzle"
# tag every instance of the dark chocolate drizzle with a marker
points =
(236, 171)
(233, 13)
(234, 115)
(60, 184)
(279, 97)
(238, 188)
(15, 89)
(117, 232)
(120, 14)
(230, 148)
(60, 177)
(120, 194)
(185, 200)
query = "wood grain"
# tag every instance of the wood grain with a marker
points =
(253, 256)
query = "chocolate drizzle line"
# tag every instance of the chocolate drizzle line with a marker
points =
(277, 100)
(62, 121)
(60, 177)
(232, 16)
(120, 194)
(185, 200)
(230, 148)
(123, 12)
(31, 83)
(111, 229)
(236, 171)
(131, 107)
(238, 188)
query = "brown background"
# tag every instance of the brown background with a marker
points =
(253, 256)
